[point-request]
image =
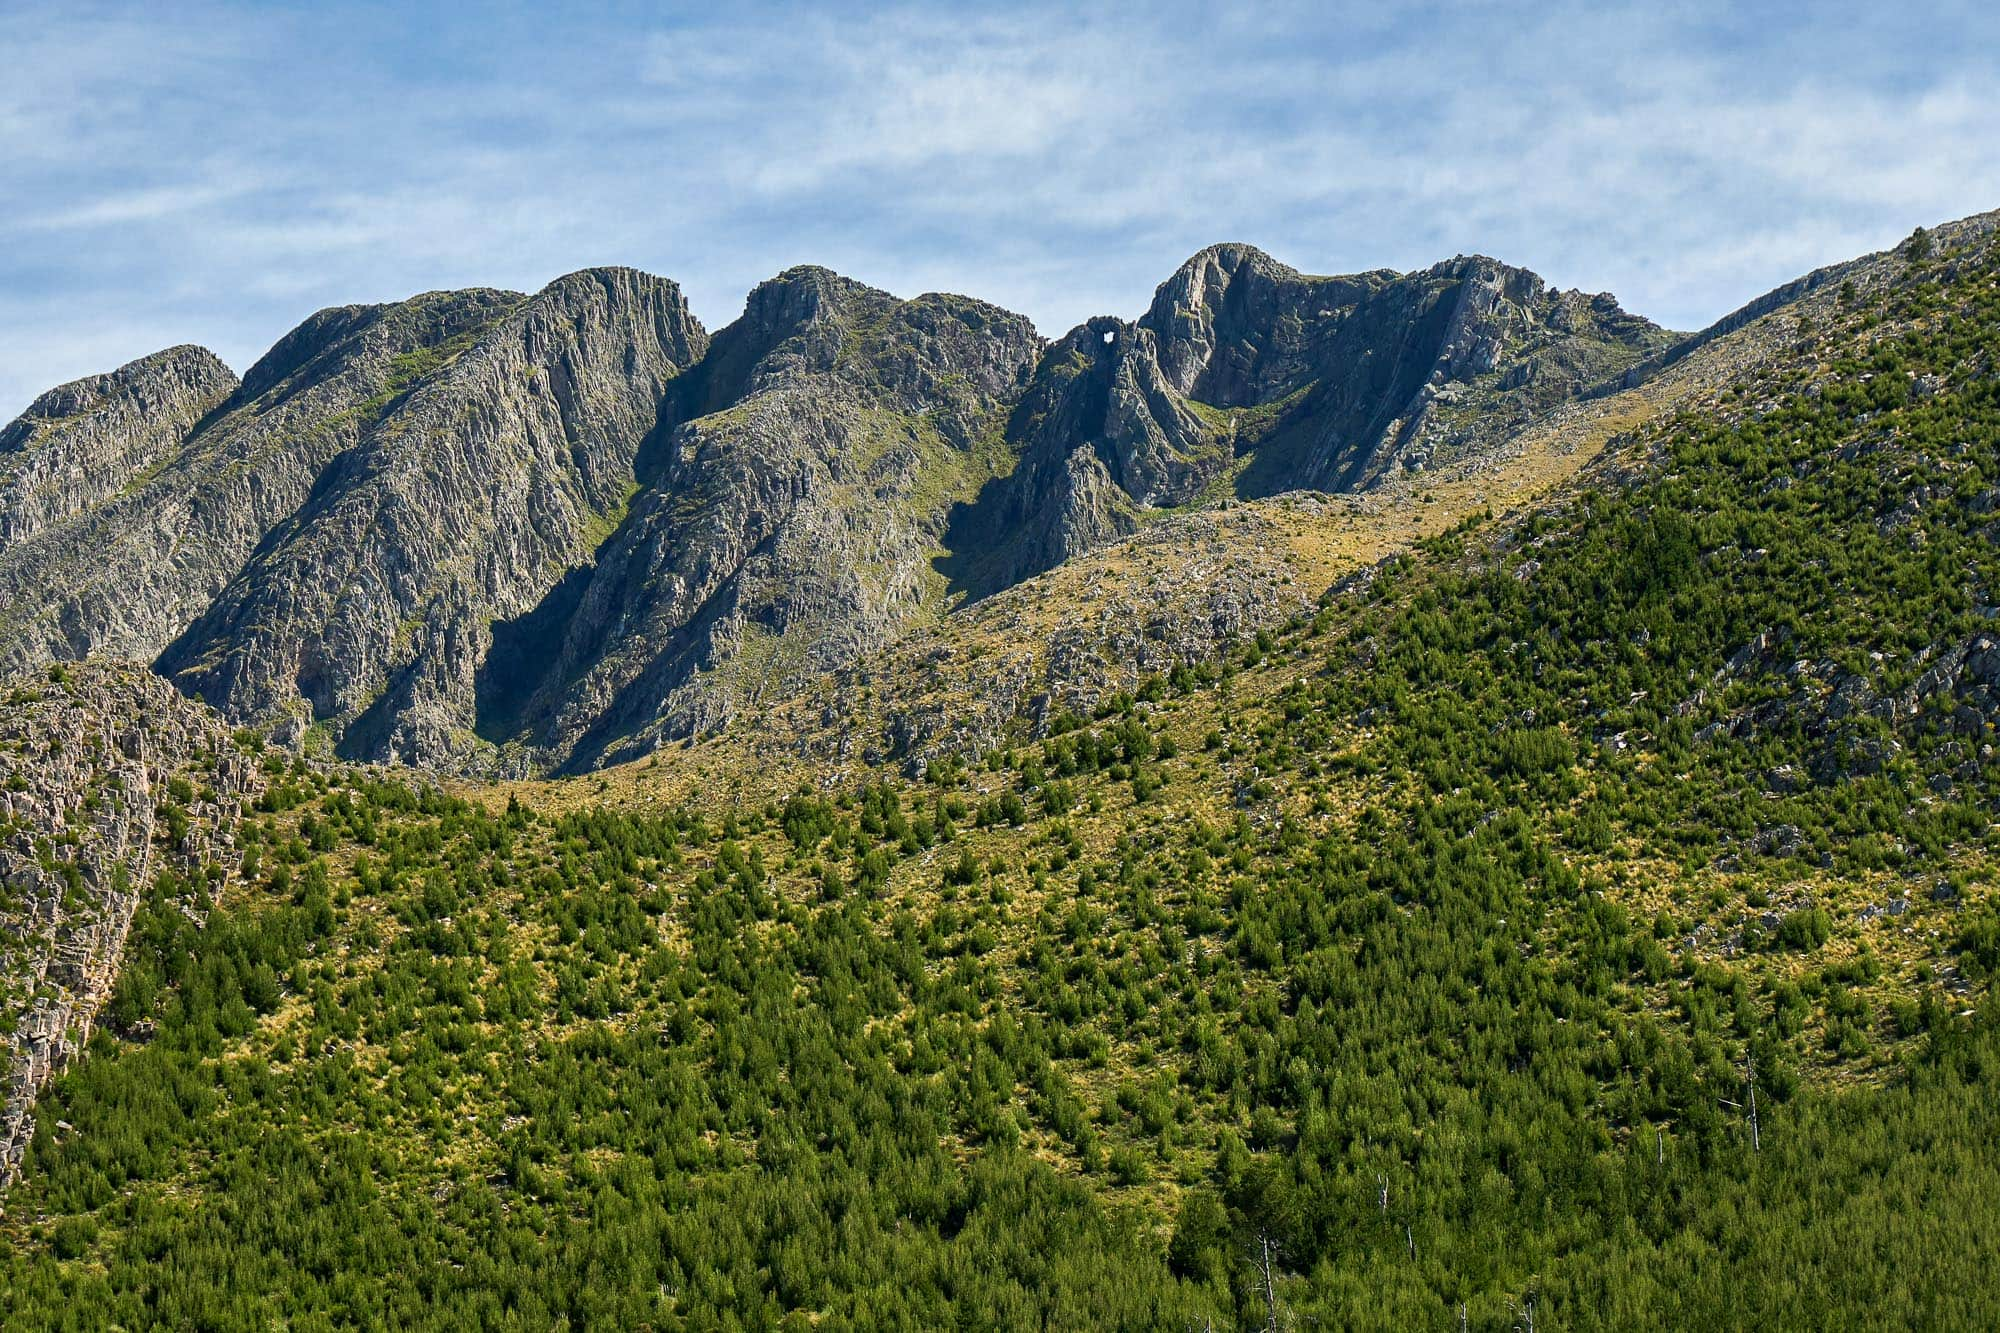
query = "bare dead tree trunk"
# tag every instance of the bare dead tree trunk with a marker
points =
(1266, 1249)
(1756, 1139)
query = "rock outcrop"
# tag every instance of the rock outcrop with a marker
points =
(1250, 378)
(788, 522)
(460, 502)
(87, 440)
(105, 774)
(126, 576)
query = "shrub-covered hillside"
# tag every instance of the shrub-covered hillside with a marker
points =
(1587, 923)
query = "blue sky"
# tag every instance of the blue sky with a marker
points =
(213, 173)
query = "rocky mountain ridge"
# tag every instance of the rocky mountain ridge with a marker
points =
(462, 502)
(1247, 377)
(491, 533)
(1187, 583)
(83, 442)
(782, 535)
(125, 577)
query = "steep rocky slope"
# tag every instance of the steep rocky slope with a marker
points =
(84, 442)
(1003, 669)
(1246, 376)
(789, 530)
(494, 533)
(800, 491)
(124, 577)
(462, 501)
(106, 775)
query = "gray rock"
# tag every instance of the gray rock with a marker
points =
(124, 577)
(85, 441)
(800, 499)
(1248, 375)
(487, 532)
(85, 772)
(462, 501)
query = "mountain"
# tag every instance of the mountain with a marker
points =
(805, 475)
(484, 532)
(125, 576)
(477, 477)
(83, 443)
(1100, 623)
(1247, 377)
(1552, 887)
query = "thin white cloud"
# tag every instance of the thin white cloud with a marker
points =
(215, 174)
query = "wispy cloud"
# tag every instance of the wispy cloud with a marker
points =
(215, 174)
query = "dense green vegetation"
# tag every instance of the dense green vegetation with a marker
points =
(1514, 942)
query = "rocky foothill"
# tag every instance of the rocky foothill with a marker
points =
(106, 774)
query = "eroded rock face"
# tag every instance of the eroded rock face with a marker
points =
(87, 440)
(464, 501)
(801, 493)
(104, 776)
(1248, 377)
(489, 532)
(124, 577)
(1101, 433)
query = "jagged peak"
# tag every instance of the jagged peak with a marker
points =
(811, 319)
(1234, 256)
(1521, 285)
(1203, 280)
(1097, 345)
(431, 316)
(961, 305)
(806, 293)
(813, 275)
(186, 361)
(617, 293)
(788, 322)
(1525, 286)
(616, 278)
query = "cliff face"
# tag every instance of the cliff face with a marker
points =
(124, 577)
(1246, 377)
(105, 776)
(462, 500)
(485, 531)
(789, 521)
(85, 441)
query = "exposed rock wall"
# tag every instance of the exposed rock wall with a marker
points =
(465, 501)
(784, 533)
(124, 577)
(88, 767)
(1248, 377)
(87, 440)
(498, 533)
